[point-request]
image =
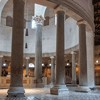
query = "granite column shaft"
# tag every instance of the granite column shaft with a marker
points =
(16, 84)
(73, 69)
(83, 55)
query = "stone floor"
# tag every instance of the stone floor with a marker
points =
(44, 94)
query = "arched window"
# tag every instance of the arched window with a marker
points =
(9, 21)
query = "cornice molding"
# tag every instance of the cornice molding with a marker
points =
(67, 51)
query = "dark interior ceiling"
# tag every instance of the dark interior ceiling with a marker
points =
(96, 4)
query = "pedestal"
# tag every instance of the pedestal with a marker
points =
(16, 92)
(39, 83)
(59, 90)
(82, 89)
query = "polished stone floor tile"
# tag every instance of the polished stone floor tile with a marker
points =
(44, 94)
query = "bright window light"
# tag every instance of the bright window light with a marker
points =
(31, 65)
(4, 64)
(97, 61)
(49, 64)
(33, 24)
(42, 64)
(39, 10)
(68, 64)
(55, 19)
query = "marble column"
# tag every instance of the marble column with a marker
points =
(16, 82)
(52, 70)
(90, 59)
(83, 55)
(1, 65)
(83, 68)
(27, 65)
(59, 86)
(73, 68)
(38, 51)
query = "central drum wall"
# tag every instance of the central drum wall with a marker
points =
(48, 37)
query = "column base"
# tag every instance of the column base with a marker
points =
(82, 89)
(71, 87)
(39, 83)
(16, 92)
(51, 85)
(59, 90)
(95, 88)
(74, 82)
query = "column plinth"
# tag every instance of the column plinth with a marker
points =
(59, 90)
(16, 82)
(16, 92)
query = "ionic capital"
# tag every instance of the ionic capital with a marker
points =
(38, 19)
(73, 52)
(81, 22)
(52, 57)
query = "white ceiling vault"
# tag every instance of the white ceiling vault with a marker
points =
(77, 9)
(83, 8)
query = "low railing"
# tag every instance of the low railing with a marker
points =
(28, 82)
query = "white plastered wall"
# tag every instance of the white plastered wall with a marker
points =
(48, 37)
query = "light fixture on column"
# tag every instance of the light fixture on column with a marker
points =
(68, 64)
(5, 63)
(26, 46)
(50, 64)
(97, 61)
(26, 34)
(31, 65)
(43, 64)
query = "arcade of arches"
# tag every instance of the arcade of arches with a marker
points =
(51, 45)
